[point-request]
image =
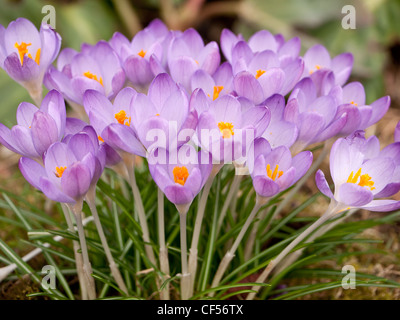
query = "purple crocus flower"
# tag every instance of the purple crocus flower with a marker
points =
(36, 129)
(261, 41)
(361, 174)
(315, 117)
(26, 54)
(317, 61)
(274, 170)
(112, 122)
(279, 131)
(181, 175)
(187, 53)
(162, 118)
(228, 125)
(146, 48)
(260, 75)
(219, 84)
(70, 168)
(351, 100)
(96, 67)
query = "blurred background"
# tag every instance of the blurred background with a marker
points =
(375, 43)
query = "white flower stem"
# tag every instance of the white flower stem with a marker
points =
(228, 201)
(130, 166)
(292, 257)
(193, 252)
(185, 279)
(91, 201)
(329, 213)
(87, 268)
(231, 252)
(164, 263)
(77, 254)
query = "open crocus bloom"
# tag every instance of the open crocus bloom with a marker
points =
(219, 84)
(275, 170)
(180, 173)
(317, 61)
(26, 54)
(351, 100)
(137, 56)
(362, 174)
(187, 53)
(113, 121)
(96, 67)
(70, 167)
(227, 126)
(36, 129)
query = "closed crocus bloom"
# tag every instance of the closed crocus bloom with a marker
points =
(315, 117)
(317, 61)
(261, 41)
(351, 100)
(260, 75)
(361, 174)
(70, 167)
(219, 84)
(113, 121)
(279, 131)
(26, 53)
(228, 126)
(36, 128)
(96, 67)
(137, 56)
(187, 53)
(180, 173)
(275, 170)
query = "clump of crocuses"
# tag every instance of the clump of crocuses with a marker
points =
(165, 96)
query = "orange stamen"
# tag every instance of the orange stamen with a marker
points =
(142, 53)
(22, 50)
(365, 179)
(92, 76)
(59, 171)
(259, 73)
(276, 172)
(121, 118)
(100, 138)
(180, 175)
(226, 129)
(217, 91)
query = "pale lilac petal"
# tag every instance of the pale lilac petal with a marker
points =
(382, 205)
(322, 184)
(76, 180)
(25, 113)
(53, 192)
(379, 108)
(265, 186)
(32, 171)
(44, 132)
(341, 66)
(246, 85)
(353, 195)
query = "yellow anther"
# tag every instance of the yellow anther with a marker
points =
(226, 129)
(180, 175)
(275, 173)
(121, 118)
(59, 171)
(217, 91)
(259, 73)
(142, 53)
(92, 76)
(365, 179)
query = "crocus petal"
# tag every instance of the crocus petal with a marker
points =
(246, 85)
(29, 71)
(76, 180)
(178, 194)
(341, 66)
(382, 205)
(44, 131)
(354, 195)
(53, 192)
(379, 108)
(32, 171)
(265, 186)
(25, 113)
(322, 184)
(54, 104)
(138, 70)
(302, 163)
